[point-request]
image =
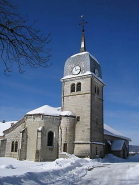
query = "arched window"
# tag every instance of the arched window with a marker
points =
(73, 88)
(50, 138)
(16, 146)
(12, 146)
(78, 88)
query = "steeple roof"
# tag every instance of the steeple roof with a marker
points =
(83, 46)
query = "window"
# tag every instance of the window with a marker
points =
(96, 151)
(12, 147)
(78, 88)
(16, 146)
(96, 90)
(73, 88)
(96, 121)
(78, 118)
(50, 139)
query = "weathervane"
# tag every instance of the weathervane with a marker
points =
(83, 23)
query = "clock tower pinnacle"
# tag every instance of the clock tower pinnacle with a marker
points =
(83, 46)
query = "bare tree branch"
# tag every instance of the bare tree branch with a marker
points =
(19, 42)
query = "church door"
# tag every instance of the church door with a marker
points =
(65, 147)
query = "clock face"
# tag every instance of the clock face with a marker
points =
(96, 72)
(76, 70)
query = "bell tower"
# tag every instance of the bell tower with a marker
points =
(82, 94)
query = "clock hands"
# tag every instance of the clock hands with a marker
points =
(76, 70)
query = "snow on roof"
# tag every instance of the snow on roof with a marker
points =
(5, 126)
(88, 72)
(67, 113)
(48, 110)
(45, 110)
(117, 145)
(111, 132)
(82, 53)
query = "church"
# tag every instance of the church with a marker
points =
(77, 127)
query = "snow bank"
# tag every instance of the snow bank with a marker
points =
(60, 171)
(110, 158)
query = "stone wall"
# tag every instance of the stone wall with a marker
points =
(2, 147)
(67, 134)
(51, 124)
(13, 135)
(38, 127)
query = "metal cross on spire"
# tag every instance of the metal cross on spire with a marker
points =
(83, 23)
(83, 47)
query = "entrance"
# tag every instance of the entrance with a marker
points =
(65, 147)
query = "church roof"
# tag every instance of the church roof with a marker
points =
(87, 73)
(85, 61)
(45, 110)
(48, 110)
(112, 132)
(5, 126)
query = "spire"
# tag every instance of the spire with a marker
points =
(83, 47)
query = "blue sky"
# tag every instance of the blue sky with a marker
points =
(112, 36)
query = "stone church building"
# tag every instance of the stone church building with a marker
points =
(76, 127)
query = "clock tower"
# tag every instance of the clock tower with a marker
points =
(81, 133)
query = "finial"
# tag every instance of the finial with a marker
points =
(83, 23)
(83, 47)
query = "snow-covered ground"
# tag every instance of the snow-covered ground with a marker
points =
(108, 171)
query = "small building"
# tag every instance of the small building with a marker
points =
(115, 142)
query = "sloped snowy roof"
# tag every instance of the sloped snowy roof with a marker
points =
(46, 110)
(117, 145)
(5, 126)
(83, 74)
(82, 53)
(111, 132)
(85, 60)
(67, 113)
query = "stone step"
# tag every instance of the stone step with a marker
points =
(63, 155)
